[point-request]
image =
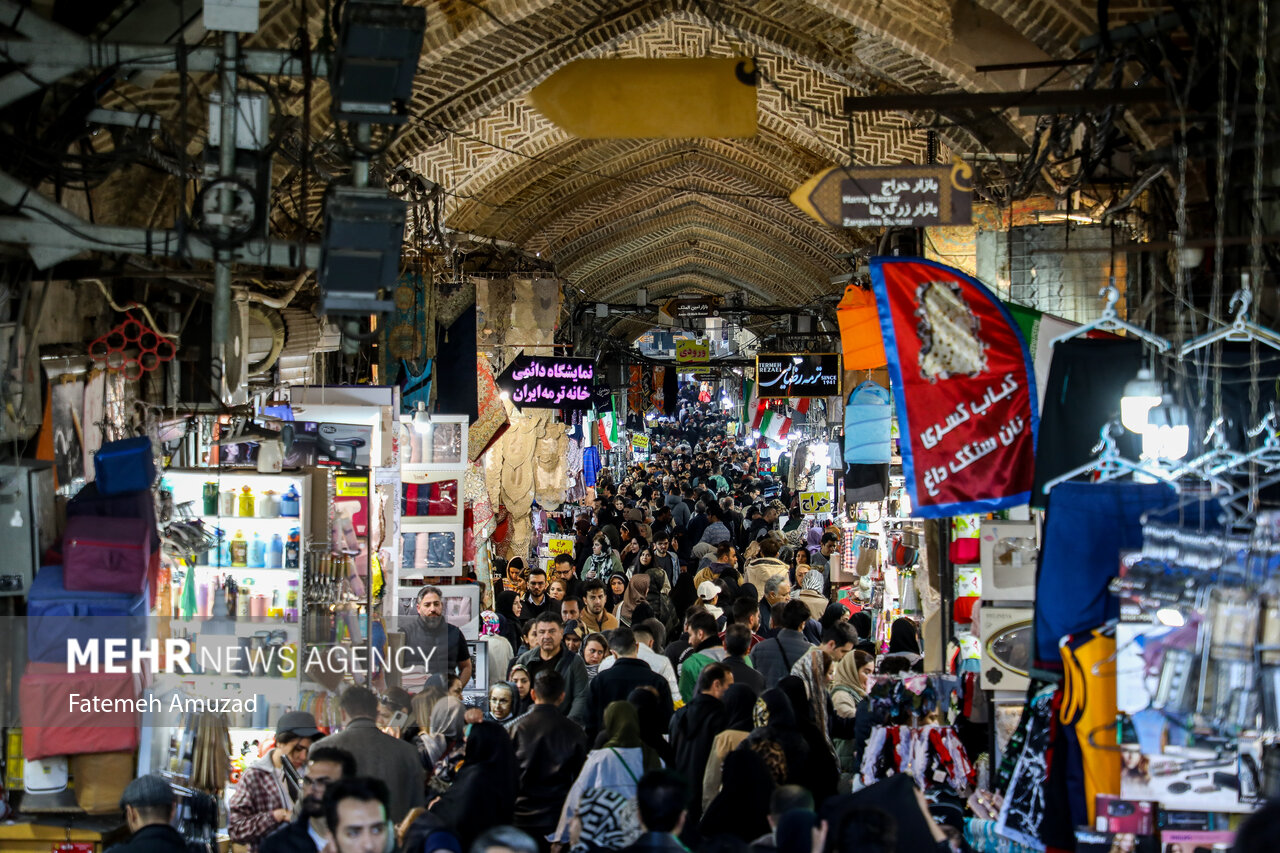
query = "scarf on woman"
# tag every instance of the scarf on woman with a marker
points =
(637, 591)
(846, 677)
(813, 677)
(622, 729)
(598, 567)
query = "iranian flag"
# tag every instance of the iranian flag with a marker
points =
(606, 425)
(749, 402)
(775, 426)
(801, 404)
(761, 409)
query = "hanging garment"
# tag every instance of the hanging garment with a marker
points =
(415, 387)
(590, 466)
(868, 416)
(1089, 704)
(1023, 811)
(1086, 528)
(455, 367)
(1086, 381)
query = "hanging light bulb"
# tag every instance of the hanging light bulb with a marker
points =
(1140, 394)
(421, 420)
(1167, 435)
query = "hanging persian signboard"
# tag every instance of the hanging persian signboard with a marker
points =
(549, 382)
(889, 196)
(780, 375)
(690, 351)
(963, 386)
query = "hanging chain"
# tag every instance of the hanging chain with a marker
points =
(1255, 242)
(1220, 209)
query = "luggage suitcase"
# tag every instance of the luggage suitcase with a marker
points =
(45, 696)
(124, 466)
(91, 502)
(55, 616)
(100, 780)
(106, 554)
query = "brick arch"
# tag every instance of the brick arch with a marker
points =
(770, 237)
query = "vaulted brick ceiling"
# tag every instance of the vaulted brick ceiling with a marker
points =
(708, 215)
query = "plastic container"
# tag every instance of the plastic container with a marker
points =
(246, 502)
(257, 552)
(292, 549)
(269, 505)
(239, 549)
(289, 502)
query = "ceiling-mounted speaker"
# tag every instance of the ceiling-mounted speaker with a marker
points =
(804, 324)
(602, 310)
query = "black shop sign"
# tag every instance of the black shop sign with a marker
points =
(548, 382)
(781, 375)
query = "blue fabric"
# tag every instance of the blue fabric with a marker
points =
(867, 420)
(1086, 528)
(590, 465)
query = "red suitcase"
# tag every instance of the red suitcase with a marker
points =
(106, 554)
(46, 697)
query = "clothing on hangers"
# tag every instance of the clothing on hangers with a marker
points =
(1089, 705)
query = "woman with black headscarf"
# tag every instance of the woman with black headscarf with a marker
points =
(741, 809)
(739, 703)
(775, 738)
(833, 614)
(649, 711)
(821, 773)
(904, 642)
(616, 765)
(505, 604)
(483, 793)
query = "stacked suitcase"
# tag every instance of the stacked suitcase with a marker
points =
(110, 555)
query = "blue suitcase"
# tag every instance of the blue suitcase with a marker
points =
(124, 466)
(55, 615)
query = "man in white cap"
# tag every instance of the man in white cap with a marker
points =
(709, 594)
(148, 805)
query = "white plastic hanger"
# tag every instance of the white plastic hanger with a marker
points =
(1266, 454)
(1239, 329)
(1110, 321)
(1110, 464)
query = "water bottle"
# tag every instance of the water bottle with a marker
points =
(275, 552)
(289, 503)
(292, 548)
(257, 552)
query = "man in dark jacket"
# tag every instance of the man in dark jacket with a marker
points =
(309, 833)
(616, 683)
(694, 728)
(382, 756)
(774, 657)
(550, 750)
(660, 798)
(149, 804)
(550, 653)
(737, 643)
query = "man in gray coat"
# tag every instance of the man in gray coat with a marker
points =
(379, 755)
(774, 657)
(549, 652)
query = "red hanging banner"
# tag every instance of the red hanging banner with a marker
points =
(964, 388)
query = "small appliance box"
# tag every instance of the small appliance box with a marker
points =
(1006, 647)
(1008, 556)
(1131, 817)
(1179, 840)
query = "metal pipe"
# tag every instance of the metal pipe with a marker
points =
(226, 198)
(360, 167)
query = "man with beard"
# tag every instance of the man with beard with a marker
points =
(432, 642)
(309, 834)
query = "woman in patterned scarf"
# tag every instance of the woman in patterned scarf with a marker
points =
(775, 739)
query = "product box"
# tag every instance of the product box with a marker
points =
(1193, 841)
(1131, 817)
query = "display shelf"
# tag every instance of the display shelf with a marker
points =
(243, 629)
(228, 520)
(293, 570)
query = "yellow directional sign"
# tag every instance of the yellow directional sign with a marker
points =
(815, 503)
(652, 98)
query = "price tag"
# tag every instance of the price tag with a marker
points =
(559, 545)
